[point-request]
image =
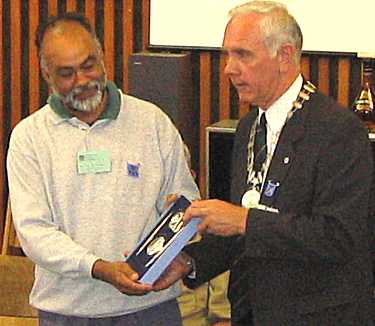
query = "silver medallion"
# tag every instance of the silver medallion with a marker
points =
(155, 246)
(176, 222)
(250, 198)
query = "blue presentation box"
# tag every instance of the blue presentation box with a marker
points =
(163, 243)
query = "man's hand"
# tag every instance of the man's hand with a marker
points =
(170, 199)
(121, 276)
(218, 217)
(177, 269)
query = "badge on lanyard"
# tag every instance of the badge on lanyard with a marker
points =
(95, 161)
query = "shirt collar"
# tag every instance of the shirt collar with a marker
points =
(111, 109)
(277, 113)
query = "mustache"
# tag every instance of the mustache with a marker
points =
(80, 89)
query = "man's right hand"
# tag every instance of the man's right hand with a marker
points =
(177, 269)
(121, 276)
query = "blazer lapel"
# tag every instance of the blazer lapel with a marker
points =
(283, 158)
(239, 166)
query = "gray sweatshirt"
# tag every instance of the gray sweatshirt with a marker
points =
(67, 216)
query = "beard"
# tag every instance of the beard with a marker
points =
(86, 105)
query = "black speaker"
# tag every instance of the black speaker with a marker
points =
(165, 79)
(220, 138)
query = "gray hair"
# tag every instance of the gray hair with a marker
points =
(57, 24)
(278, 25)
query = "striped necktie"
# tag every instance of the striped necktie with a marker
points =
(260, 144)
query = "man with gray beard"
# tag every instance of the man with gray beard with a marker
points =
(89, 174)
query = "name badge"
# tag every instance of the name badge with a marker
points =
(94, 162)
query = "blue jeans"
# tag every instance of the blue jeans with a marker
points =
(164, 314)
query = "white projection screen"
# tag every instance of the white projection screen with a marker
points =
(338, 26)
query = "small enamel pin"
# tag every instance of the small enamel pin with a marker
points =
(133, 169)
(270, 189)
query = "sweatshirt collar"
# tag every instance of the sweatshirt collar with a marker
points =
(111, 110)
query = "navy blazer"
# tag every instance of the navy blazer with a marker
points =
(309, 264)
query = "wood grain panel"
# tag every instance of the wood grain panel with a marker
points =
(205, 115)
(71, 5)
(109, 29)
(343, 81)
(127, 37)
(34, 89)
(90, 12)
(2, 131)
(243, 109)
(323, 75)
(2, 115)
(305, 67)
(224, 90)
(15, 68)
(145, 24)
(52, 7)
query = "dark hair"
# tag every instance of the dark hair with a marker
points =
(54, 20)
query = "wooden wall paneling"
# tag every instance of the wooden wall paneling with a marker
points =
(314, 69)
(343, 81)
(109, 29)
(215, 86)
(34, 72)
(243, 109)
(118, 41)
(15, 53)
(333, 77)
(233, 102)
(14, 83)
(2, 130)
(52, 7)
(127, 39)
(305, 66)
(71, 5)
(2, 115)
(205, 115)
(355, 79)
(90, 11)
(224, 90)
(323, 75)
(145, 24)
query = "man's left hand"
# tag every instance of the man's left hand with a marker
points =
(177, 269)
(218, 217)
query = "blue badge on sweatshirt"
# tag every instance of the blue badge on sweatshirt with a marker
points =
(271, 188)
(133, 169)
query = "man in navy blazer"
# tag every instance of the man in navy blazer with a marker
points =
(295, 235)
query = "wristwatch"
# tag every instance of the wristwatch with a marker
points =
(190, 263)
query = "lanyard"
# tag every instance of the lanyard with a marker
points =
(255, 179)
